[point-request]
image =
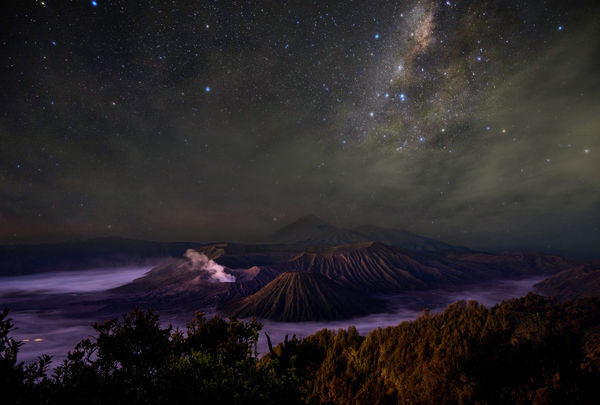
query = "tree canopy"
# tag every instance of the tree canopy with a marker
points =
(528, 350)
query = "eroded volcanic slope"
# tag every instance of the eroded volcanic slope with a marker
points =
(304, 296)
(377, 267)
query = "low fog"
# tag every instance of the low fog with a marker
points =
(54, 311)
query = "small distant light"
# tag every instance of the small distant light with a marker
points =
(94, 3)
(560, 27)
(547, 160)
(421, 139)
(479, 58)
(39, 339)
(371, 114)
(586, 150)
(402, 97)
(376, 36)
(207, 89)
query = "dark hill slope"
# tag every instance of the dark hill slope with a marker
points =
(531, 350)
(578, 282)
(295, 297)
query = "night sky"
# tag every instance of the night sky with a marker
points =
(475, 122)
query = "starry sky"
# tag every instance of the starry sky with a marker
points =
(475, 122)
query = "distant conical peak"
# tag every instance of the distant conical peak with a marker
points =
(310, 219)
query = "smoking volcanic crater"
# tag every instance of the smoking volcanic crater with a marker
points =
(300, 275)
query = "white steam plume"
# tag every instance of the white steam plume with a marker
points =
(201, 261)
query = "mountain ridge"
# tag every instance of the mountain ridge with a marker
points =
(310, 230)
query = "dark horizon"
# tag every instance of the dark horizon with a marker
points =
(472, 123)
(122, 241)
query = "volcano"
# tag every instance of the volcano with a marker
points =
(304, 296)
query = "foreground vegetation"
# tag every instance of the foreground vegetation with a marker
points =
(527, 350)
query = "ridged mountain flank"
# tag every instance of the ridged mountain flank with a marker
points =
(303, 296)
(377, 267)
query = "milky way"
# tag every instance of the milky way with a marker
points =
(476, 122)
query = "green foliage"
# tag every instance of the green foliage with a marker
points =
(137, 361)
(528, 350)
(18, 383)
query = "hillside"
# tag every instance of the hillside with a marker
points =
(295, 296)
(578, 282)
(530, 350)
